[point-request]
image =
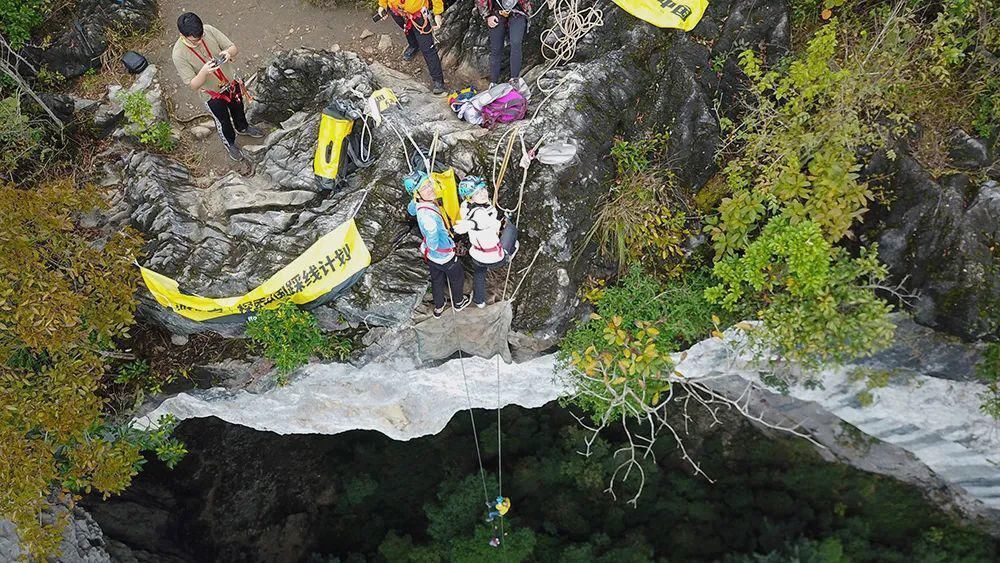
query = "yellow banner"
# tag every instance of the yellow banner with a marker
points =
(330, 264)
(680, 14)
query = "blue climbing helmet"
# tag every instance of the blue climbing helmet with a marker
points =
(470, 185)
(413, 181)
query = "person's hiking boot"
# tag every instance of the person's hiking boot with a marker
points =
(235, 153)
(463, 303)
(252, 131)
(438, 312)
(438, 87)
(409, 53)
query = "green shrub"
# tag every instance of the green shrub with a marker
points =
(627, 343)
(821, 302)
(139, 112)
(18, 18)
(65, 296)
(288, 336)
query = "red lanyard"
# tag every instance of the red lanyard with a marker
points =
(218, 72)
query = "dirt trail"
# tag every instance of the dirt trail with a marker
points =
(261, 28)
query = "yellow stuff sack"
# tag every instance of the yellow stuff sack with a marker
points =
(446, 189)
(679, 14)
(331, 151)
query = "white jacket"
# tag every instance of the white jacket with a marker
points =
(482, 223)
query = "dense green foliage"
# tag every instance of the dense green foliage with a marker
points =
(65, 297)
(821, 305)
(795, 193)
(289, 336)
(370, 496)
(622, 350)
(18, 18)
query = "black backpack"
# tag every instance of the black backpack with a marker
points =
(134, 62)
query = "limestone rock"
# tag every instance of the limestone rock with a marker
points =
(940, 236)
(365, 34)
(384, 43)
(200, 132)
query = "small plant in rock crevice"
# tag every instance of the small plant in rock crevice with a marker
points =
(139, 112)
(988, 371)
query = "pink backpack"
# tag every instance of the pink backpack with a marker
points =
(509, 107)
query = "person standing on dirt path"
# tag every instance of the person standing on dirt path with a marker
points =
(414, 16)
(203, 57)
(505, 18)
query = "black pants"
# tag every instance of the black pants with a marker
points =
(443, 275)
(508, 239)
(425, 43)
(227, 116)
(517, 24)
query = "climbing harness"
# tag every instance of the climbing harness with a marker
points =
(423, 27)
(231, 89)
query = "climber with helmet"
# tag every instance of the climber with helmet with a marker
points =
(437, 246)
(505, 18)
(415, 19)
(481, 221)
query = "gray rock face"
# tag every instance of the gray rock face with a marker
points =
(79, 47)
(82, 541)
(943, 234)
(228, 237)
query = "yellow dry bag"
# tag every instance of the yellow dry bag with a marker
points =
(331, 151)
(446, 189)
(679, 14)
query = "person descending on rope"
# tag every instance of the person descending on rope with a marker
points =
(415, 19)
(481, 221)
(437, 247)
(505, 18)
(203, 57)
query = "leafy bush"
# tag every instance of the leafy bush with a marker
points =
(628, 341)
(794, 193)
(65, 297)
(18, 18)
(821, 304)
(288, 336)
(139, 113)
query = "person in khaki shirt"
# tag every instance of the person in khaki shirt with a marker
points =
(203, 57)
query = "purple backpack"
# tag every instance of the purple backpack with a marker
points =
(509, 107)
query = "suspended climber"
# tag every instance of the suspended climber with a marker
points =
(203, 58)
(505, 18)
(415, 18)
(480, 220)
(437, 246)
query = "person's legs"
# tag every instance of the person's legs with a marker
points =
(410, 39)
(238, 113)
(429, 50)
(456, 279)
(439, 281)
(497, 35)
(518, 24)
(223, 122)
(479, 283)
